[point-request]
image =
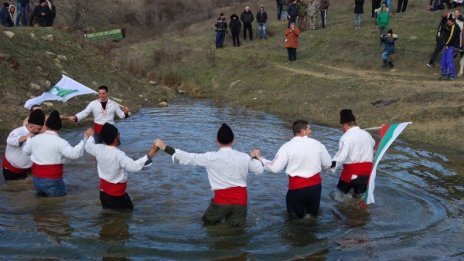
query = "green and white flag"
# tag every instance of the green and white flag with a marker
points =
(64, 90)
(388, 134)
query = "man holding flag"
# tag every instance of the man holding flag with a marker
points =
(103, 110)
(356, 152)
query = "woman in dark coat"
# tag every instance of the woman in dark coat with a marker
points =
(235, 26)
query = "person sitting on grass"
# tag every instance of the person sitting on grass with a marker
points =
(389, 40)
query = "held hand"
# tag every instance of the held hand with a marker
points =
(125, 110)
(159, 144)
(255, 153)
(72, 118)
(152, 151)
(89, 132)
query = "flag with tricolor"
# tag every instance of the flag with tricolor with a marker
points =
(64, 90)
(388, 134)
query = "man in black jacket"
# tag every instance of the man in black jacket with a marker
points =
(442, 31)
(42, 14)
(235, 26)
(292, 12)
(247, 18)
(452, 41)
(261, 18)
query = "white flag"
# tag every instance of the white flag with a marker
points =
(64, 90)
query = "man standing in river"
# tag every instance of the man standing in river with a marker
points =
(227, 172)
(305, 158)
(356, 153)
(103, 110)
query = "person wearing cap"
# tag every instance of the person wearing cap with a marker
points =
(103, 110)
(17, 164)
(48, 152)
(356, 153)
(227, 172)
(452, 41)
(305, 158)
(112, 167)
(389, 40)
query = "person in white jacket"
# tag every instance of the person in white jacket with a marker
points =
(112, 167)
(227, 173)
(305, 158)
(48, 153)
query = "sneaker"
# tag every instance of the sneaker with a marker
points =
(443, 78)
(452, 78)
(430, 65)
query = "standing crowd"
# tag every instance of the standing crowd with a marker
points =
(26, 14)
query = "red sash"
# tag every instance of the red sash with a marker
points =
(230, 196)
(300, 182)
(360, 169)
(7, 165)
(97, 128)
(113, 189)
(54, 171)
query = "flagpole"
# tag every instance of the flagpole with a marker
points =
(373, 128)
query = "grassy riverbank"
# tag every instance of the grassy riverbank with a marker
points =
(336, 68)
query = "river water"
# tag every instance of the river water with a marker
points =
(418, 212)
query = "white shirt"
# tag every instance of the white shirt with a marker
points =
(112, 163)
(303, 156)
(50, 149)
(226, 167)
(355, 146)
(14, 152)
(100, 115)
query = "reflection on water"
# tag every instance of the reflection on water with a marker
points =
(418, 208)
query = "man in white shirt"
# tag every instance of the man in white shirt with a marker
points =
(356, 153)
(103, 110)
(305, 158)
(227, 172)
(48, 152)
(16, 164)
(112, 164)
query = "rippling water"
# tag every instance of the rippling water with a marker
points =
(418, 212)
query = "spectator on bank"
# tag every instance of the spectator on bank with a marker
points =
(291, 41)
(375, 6)
(22, 8)
(324, 7)
(358, 12)
(292, 12)
(52, 7)
(383, 19)
(220, 28)
(440, 35)
(436, 5)
(301, 14)
(261, 19)
(389, 40)
(402, 4)
(284, 14)
(42, 14)
(279, 9)
(247, 19)
(452, 41)
(312, 11)
(5, 17)
(235, 26)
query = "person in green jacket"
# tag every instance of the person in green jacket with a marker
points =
(383, 19)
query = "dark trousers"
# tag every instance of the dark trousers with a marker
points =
(236, 39)
(8, 175)
(279, 11)
(291, 54)
(402, 4)
(220, 39)
(112, 202)
(235, 215)
(303, 201)
(359, 186)
(438, 47)
(324, 18)
(247, 27)
(375, 5)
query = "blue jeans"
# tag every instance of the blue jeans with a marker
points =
(22, 13)
(220, 39)
(447, 63)
(49, 187)
(262, 31)
(386, 56)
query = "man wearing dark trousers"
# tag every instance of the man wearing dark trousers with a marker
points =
(247, 19)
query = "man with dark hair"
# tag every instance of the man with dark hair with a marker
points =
(356, 152)
(305, 158)
(103, 110)
(441, 33)
(227, 172)
(112, 164)
(16, 164)
(48, 152)
(452, 41)
(42, 14)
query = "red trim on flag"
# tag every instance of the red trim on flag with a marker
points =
(300, 182)
(54, 171)
(231, 196)
(7, 165)
(113, 189)
(97, 128)
(360, 169)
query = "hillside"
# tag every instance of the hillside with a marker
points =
(34, 59)
(336, 68)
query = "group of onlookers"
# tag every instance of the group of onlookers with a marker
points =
(43, 14)
(303, 12)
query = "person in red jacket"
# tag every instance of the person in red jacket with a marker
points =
(291, 41)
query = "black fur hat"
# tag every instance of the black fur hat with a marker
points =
(36, 117)
(54, 121)
(346, 115)
(225, 135)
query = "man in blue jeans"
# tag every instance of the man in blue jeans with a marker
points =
(448, 72)
(21, 6)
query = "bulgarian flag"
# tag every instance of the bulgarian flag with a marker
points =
(388, 134)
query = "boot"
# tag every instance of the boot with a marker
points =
(390, 64)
